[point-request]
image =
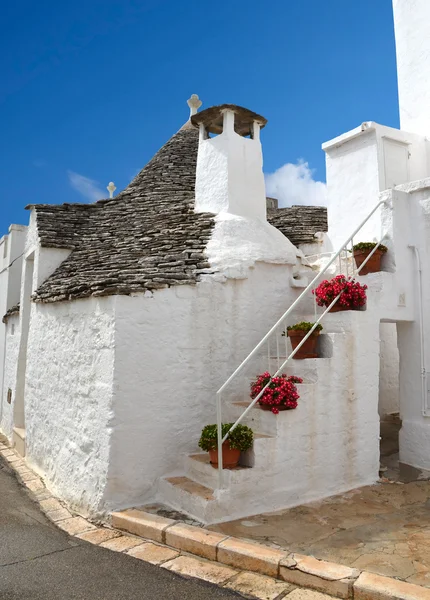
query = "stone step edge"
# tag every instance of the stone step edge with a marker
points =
(302, 570)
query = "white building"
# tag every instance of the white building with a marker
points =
(135, 310)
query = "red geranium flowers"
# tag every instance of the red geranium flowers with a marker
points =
(353, 294)
(281, 391)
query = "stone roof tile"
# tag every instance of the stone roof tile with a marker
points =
(299, 223)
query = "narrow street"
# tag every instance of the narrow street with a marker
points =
(39, 561)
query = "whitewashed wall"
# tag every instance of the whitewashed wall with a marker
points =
(173, 351)
(352, 184)
(414, 405)
(9, 380)
(360, 164)
(411, 20)
(11, 250)
(389, 370)
(68, 397)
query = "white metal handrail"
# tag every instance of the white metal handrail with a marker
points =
(312, 284)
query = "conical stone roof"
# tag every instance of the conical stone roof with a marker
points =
(146, 238)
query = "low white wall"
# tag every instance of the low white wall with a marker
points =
(173, 351)
(389, 370)
(68, 397)
(9, 381)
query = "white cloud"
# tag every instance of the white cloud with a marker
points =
(85, 186)
(294, 184)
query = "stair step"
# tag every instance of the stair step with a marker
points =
(264, 421)
(192, 487)
(188, 496)
(198, 468)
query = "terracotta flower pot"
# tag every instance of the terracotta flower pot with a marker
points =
(230, 456)
(309, 348)
(338, 308)
(373, 265)
(280, 407)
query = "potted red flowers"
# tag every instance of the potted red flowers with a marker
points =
(281, 393)
(362, 250)
(297, 332)
(240, 439)
(352, 293)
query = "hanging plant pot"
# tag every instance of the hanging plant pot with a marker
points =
(309, 348)
(230, 456)
(373, 265)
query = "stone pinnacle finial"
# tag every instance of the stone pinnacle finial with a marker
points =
(194, 103)
(111, 188)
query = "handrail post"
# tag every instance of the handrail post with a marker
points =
(219, 438)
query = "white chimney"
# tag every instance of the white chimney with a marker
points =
(229, 176)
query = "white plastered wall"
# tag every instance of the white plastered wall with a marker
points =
(173, 351)
(360, 164)
(68, 397)
(389, 396)
(11, 251)
(414, 398)
(9, 380)
(411, 21)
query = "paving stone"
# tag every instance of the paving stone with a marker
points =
(42, 494)
(142, 523)
(383, 563)
(376, 587)
(7, 452)
(14, 458)
(59, 515)
(258, 586)
(27, 475)
(50, 504)
(35, 485)
(98, 536)
(250, 557)
(75, 525)
(307, 595)
(23, 469)
(122, 543)
(194, 567)
(383, 528)
(320, 575)
(194, 540)
(152, 553)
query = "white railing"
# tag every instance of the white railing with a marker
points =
(281, 323)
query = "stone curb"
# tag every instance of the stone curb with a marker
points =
(245, 559)
(301, 570)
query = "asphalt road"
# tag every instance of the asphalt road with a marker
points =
(39, 561)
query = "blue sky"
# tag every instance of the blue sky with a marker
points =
(91, 89)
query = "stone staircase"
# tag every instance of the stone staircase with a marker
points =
(301, 455)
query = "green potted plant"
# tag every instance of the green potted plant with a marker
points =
(362, 250)
(240, 439)
(297, 332)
